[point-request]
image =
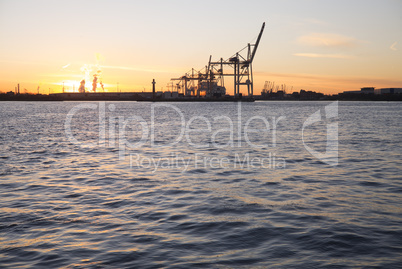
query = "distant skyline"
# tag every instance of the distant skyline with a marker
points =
(321, 45)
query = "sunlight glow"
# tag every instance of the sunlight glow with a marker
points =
(114, 46)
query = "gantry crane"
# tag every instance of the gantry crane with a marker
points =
(211, 78)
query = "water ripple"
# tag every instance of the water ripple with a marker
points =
(66, 206)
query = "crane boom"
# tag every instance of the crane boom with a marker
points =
(256, 43)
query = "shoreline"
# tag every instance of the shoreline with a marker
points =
(147, 97)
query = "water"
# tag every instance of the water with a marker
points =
(214, 200)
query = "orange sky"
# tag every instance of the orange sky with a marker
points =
(326, 46)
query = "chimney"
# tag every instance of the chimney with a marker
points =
(153, 89)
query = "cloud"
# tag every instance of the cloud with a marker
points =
(328, 40)
(328, 82)
(393, 46)
(315, 21)
(27, 63)
(136, 69)
(318, 55)
(304, 22)
(345, 79)
(62, 75)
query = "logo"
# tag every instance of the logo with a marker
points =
(330, 156)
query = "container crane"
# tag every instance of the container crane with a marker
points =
(211, 79)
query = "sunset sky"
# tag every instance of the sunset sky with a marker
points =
(323, 45)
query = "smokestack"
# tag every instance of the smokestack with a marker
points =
(103, 89)
(153, 88)
(94, 83)
(81, 89)
(18, 89)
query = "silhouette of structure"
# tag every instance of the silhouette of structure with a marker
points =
(81, 89)
(210, 80)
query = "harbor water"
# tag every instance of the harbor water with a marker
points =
(200, 185)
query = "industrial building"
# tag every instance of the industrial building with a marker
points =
(388, 91)
(373, 90)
